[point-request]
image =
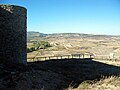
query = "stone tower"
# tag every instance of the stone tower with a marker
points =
(13, 34)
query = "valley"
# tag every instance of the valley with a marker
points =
(101, 46)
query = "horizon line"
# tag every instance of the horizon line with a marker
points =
(76, 33)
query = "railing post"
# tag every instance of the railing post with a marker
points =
(90, 56)
(83, 56)
(57, 57)
(49, 58)
(37, 59)
(79, 56)
(61, 57)
(33, 59)
(68, 56)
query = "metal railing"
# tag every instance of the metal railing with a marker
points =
(107, 57)
(72, 56)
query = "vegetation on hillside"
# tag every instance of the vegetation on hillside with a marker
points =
(106, 83)
(37, 45)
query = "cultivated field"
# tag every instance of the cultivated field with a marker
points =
(101, 47)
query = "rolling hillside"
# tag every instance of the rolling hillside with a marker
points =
(70, 43)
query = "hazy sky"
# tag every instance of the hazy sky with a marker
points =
(71, 16)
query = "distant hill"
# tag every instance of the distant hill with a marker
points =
(81, 35)
(33, 34)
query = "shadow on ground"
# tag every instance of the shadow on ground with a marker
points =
(77, 70)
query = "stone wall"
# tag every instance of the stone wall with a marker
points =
(13, 34)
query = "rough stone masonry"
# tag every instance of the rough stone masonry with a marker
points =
(13, 34)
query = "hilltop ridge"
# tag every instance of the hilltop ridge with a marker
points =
(32, 34)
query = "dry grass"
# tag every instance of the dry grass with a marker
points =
(105, 83)
(109, 83)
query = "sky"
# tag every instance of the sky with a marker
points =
(71, 16)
